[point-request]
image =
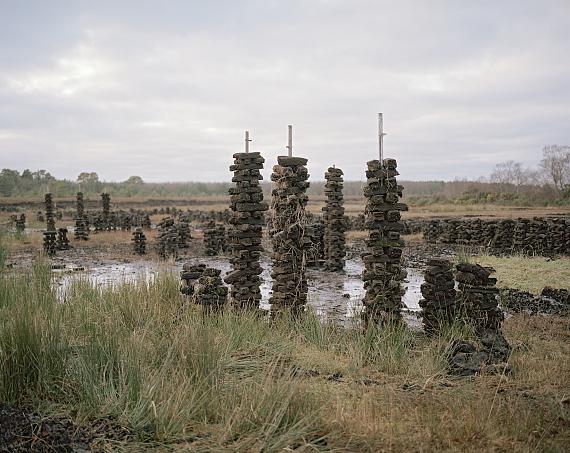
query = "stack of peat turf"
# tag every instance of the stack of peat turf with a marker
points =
(40, 216)
(383, 273)
(139, 241)
(167, 238)
(81, 231)
(439, 295)
(209, 290)
(214, 239)
(106, 211)
(315, 231)
(335, 226)
(21, 223)
(433, 230)
(478, 295)
(288, 236)
(245, 232)
(184, 234)
(50, 239)
(189, 276)
(503, 240)
(62, 240)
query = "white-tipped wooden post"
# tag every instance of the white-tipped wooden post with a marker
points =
(247, 140)
(290, 140)
(381, 135)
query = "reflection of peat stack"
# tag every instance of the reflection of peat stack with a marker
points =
(335, 243)
(167, 239)
(21, 223)
(478, 294)
(62, 240)
(383, 271)
(439, 302)
(245, 232)
(204, 285)
(288, 235)
(81, 231)
(214, 239)
(139, 241)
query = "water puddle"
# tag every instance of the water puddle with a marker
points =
(333, 295)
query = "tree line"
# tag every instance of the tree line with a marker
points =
(509, 183)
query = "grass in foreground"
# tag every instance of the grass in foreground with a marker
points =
(237, 383)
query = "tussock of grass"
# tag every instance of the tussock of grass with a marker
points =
(237, 382)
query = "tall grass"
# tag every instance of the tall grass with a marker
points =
(231, 381)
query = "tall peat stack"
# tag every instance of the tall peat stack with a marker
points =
(50, 235)
(335, 243)
(245, 232)
(288, 235)
(383, 273)
(439, 295)
(81, 231)
(21, 223)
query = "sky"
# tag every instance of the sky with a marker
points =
(165, 89)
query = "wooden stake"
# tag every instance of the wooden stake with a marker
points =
(381, 135)
(290, 140)
(247, 140)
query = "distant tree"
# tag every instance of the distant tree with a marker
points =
(87, 178)
(556, 165)
(27, 174)
(134, 180)
(510, 173)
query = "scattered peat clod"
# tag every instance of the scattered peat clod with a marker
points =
(288, 235)
(550, 302)
(383, 274)
(245, 232)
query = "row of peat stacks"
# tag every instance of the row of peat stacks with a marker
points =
(383, 272)
(335, 224)
(546, 236)
(288, 235)
(81, 231)
(245, 231)
(50, 235)
(214, 239)
(204, 285)
(139, 241)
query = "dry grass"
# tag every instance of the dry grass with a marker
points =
(241, 384)
(528, 273)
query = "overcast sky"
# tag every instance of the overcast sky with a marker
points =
(165, 89)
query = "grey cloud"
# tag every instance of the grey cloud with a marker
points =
(165, 90)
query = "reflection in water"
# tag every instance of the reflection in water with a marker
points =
(333, 295)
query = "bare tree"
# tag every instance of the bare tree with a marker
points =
(556, 165)
(509, 173)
